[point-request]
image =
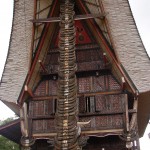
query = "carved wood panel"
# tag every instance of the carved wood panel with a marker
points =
(109, 113)
(52, 87)
(110, 103)
(43, 125)
(85, 85)
(82, 104)
(41, 89)
(42, 108)
(98, 84)
(103, 122)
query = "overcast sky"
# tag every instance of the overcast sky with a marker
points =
(141, 11)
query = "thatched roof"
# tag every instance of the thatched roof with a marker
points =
(125, 40)
(17, 63)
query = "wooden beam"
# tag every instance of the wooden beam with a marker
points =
(39, 98)
(40, 135)
(126, 113)
(87, 132)
(42, 66)
(133, 121)
(123, 83)
(100, 114)
(29, 91)
(89, 16)
(79, 74)
(42, 117)
(77, 17)
(109, 131)
(78, 48)
(52, 116)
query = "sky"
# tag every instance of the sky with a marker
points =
(6, 13)
(141, 12)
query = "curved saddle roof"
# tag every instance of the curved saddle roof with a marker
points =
(17, 63)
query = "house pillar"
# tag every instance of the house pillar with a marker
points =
(26, 141)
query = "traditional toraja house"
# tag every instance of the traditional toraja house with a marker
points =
(77, 74)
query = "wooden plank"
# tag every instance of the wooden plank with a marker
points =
(102, 131)
(126, 113)
(42, 66)
(100, 114)
(78, 48)
(111, 131)
(39, 98)
(79, 74)
(29, 91)
(77, 17)
(134, 115)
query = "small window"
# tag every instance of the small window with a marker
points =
(90, 104)
(54, 105)
(86, 104)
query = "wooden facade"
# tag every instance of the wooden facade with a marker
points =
(107, 92)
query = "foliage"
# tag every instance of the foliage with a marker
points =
(6, 144)
(3, 122)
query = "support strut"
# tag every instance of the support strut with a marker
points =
(66, 114)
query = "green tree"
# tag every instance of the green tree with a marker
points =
(3, 122)
(6, 144)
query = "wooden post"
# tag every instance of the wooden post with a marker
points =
(127, 114)
(26, 140)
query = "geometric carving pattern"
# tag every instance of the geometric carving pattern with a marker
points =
(43, 125)
(86, 84)
(52, 87)
(97, 84)
(100, 119)
(82, 104)
(113, 84)
(41, 108)
(41, 89)
(110, 103)
(103, 122)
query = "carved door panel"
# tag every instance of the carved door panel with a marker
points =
(106, 112)
(42, 115)
(110, 103)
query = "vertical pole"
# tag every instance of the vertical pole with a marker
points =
(66, 113)
(26, 140)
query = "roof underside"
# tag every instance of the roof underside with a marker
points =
(11, 131)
